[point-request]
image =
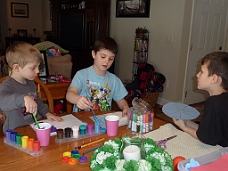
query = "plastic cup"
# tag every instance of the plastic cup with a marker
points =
(112, 122)
(43, 134)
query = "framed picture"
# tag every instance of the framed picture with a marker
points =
(19, 10)
(21, 33)
(133, 8)
(43, 65)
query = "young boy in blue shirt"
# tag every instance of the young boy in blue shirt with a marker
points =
(18, 94)
(213, 77)
(95, 86)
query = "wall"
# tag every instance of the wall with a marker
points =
(166, 20)
(38, 13)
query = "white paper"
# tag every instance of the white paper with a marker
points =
(68, 121)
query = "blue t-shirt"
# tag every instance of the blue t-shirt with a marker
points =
(99, 90)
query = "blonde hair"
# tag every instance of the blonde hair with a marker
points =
(22, 53)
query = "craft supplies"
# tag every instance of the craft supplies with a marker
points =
(82, 129)
(79, 132)
(75, 131)
(89, 128)
(180, 111)
(93, 142)
(23, 143)
(162, 143)
(93, 149)
(59, 133)
(67, 132)
(37, 124)
(140, 116)
(96, 127)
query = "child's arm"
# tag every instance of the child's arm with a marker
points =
(81, 101)
(187, 126)
(123, 106)
(44, 111)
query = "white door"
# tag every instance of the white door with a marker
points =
(208, 35)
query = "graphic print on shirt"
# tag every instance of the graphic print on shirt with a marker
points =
(99, 95)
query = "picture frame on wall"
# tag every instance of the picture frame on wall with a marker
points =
(136, 8)
(19, 10)
(21, 33)
(43, 65)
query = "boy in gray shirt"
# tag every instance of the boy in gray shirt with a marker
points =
(18, 94)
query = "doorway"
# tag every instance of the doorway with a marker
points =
(207, 35)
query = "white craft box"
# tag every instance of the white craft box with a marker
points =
(205, 159)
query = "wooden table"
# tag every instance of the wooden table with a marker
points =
(12, 159)
(58, 91)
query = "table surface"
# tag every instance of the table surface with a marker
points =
(14, 159)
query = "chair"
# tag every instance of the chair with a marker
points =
(40, 85)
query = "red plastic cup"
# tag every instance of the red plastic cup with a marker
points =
(43, 134)
(112, 122)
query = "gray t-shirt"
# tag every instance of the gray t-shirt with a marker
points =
(12, 103)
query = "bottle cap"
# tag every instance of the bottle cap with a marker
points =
(83, 159)
(103, 129)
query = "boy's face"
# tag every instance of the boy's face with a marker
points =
(204, 81)
(30, 70)
(103, 60)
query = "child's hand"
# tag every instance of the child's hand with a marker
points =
(180, 123)
(124, 113)
(52, 117)
(84, 103)
(30, 105)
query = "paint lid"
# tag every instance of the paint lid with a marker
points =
(83, 159)
(75, 128)
(82, 127)
(103, 129)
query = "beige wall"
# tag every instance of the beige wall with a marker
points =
(166, 20)
(38, 13)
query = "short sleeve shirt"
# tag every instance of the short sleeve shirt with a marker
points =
(99, 90)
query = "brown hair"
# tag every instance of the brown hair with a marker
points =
(217, 63)
(107, 43)
(22, 53)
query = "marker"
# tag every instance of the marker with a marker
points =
(144, 123)
(150, 122)
(141, 123)
(147, 123)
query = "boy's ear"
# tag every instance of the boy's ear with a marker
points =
(15, 67)
(93, 54)
(215, 78)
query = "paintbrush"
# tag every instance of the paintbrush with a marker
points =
(37, 124)
(91, 150)
(93, 142)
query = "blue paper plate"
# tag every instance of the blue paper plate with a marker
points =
(180, 111)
